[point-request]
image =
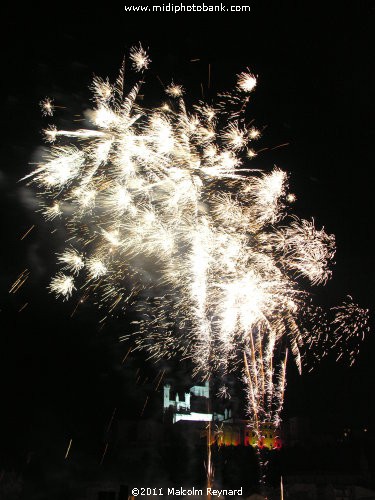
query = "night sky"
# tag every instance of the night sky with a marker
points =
(62, 376)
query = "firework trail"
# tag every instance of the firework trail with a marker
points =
(164, 217)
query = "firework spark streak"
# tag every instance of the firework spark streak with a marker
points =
(164, 216)
(68, 449)
(19, 281)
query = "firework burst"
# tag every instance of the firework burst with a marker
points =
(159, 205)
(339, 330)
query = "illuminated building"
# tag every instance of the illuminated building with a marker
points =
(182, 409)
(228, 431)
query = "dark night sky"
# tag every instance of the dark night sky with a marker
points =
(62, 376)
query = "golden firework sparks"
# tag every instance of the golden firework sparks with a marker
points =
(19, 281)
(160, 207)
